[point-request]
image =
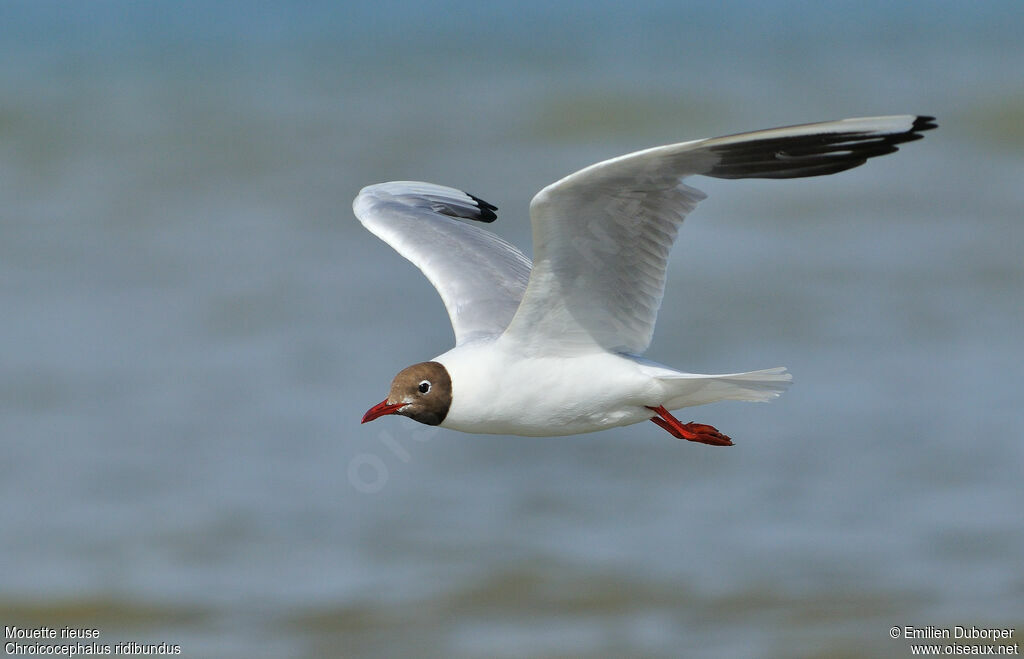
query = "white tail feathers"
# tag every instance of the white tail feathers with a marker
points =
(687, 389)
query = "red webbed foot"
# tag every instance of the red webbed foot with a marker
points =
(694, 432)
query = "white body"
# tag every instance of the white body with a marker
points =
(497, 390)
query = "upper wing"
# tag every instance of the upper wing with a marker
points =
(481, 278)
(602, 236)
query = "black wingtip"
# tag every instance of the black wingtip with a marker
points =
(814, 154)
(923, 122)
(487, 213)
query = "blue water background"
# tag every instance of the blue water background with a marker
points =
(193, 323)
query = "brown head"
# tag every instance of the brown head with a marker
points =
(422, 392)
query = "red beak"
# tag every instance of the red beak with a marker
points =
(380, 409)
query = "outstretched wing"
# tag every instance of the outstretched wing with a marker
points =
(602, 236)
(480, 277)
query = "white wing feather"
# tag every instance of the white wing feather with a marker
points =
(602, 236)
(480, 277)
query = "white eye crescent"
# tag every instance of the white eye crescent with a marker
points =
(424, 387)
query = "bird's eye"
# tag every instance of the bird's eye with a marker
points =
(424, 387)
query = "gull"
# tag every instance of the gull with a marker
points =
(554, 347)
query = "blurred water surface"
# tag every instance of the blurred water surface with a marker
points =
(193, 324)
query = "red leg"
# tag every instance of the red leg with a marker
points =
(694, 432)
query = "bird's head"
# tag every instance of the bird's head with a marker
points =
(422, 392)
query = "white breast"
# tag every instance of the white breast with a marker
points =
(497, 390)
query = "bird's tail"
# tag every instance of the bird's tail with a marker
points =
(687, 389)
